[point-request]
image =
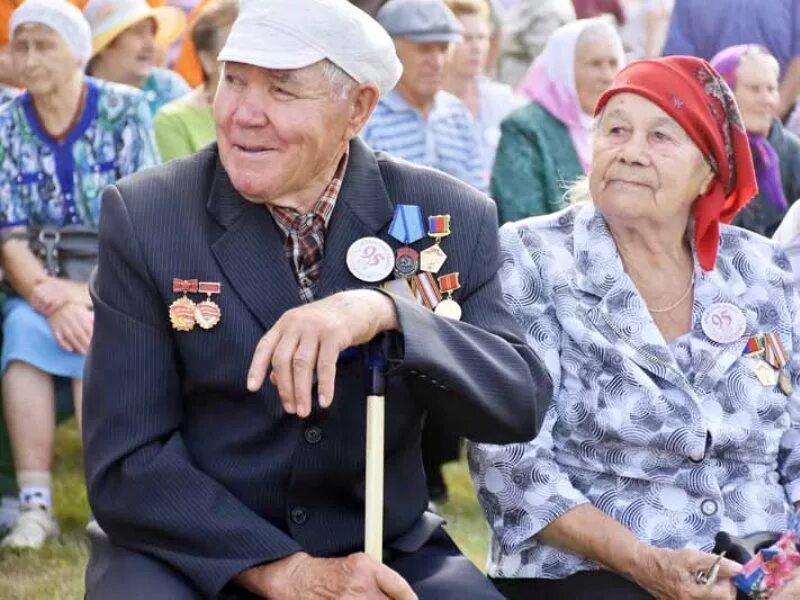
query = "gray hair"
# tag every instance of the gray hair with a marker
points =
(578, 192)
(341, 83)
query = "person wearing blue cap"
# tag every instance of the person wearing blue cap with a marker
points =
(418, 121)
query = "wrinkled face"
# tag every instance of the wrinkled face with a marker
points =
(42, 60)
(596, 64)
(277, 130)
(7, 74)
(423, 67)
(132, 54)
(757, 92)
(644, 165)
(469, 57)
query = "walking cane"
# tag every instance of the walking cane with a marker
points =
(376, 391)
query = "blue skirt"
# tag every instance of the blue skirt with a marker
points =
(27, 337)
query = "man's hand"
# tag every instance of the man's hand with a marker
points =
(302, 577)
(72, 327)
(310, 338)
(50, 294)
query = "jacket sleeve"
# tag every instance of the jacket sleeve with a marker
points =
(521, 487)
(517, 185)
(143, 488)
(478, 371)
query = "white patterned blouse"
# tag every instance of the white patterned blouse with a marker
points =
(676, 442)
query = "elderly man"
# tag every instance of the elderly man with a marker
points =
(418, 121)
(225, 406)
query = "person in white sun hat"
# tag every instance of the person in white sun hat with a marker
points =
(225, 444)
(127, 36)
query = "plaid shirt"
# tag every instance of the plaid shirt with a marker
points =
(305, 233)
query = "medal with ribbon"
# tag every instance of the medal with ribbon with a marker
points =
(181, 312)
(448, 307)
(407, 227)
(432, 259)
(207, 313)
(426, 290)
(775, 355)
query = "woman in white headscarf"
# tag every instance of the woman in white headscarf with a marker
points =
(546, 145)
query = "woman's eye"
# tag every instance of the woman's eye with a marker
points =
(660, 136)
(284, 93)
(616, 131)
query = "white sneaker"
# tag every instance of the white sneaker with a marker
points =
(9, 512)
(34, 525)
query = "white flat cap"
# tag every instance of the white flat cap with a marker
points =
(293, 34)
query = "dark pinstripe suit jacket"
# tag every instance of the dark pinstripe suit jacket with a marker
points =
(184, 464)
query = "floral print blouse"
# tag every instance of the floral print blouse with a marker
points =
(676, 442)
(47, 182)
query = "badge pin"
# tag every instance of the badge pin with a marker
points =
(785, 383)
(448, 307)
(774, 353)
(406, 262)
(767, 376)
(432, 259)
(438, 227)
(370, 259)
(754, 346)
(181, 312)
(207, 313)
(724, 323)
(399, 287)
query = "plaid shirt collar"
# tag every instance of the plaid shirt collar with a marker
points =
(305, 234)
(291, 221)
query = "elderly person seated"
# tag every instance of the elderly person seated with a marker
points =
(752, 73)
(61, 143)
(673, 344)
(546, 145)
(418, 121)
(187, 124)
(489, 102)
(126, 35)
(225, 430)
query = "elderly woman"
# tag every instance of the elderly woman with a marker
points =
(61, 143)
(672, 343)
(126, 35)
(546, 145)
(488, 101)
(752, 73)
(187, 124)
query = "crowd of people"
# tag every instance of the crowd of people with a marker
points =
(186, 187)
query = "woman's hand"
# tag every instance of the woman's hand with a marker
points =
(790, 591)
(671, 574)
(50, 294)
(72, 327)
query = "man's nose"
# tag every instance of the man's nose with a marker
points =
(251, 114)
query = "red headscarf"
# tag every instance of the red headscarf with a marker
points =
(690, 91)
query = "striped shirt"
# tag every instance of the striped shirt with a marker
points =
(448, 140)
(305, 234)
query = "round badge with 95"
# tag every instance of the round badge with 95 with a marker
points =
(724, 323)
(370, 259)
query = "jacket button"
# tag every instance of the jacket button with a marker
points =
(709, 507)
(299, 515)
(313, 435)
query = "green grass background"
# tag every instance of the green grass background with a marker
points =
(56, 572)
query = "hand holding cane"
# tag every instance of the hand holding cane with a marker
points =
(376, 390)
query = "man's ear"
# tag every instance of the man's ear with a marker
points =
(363, 99)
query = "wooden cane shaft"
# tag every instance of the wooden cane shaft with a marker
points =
(373, 518)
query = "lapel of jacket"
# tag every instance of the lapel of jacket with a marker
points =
(250, 251)
(362, 209)
(614, 305)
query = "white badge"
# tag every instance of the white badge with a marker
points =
(724, 323)
(370, 259)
